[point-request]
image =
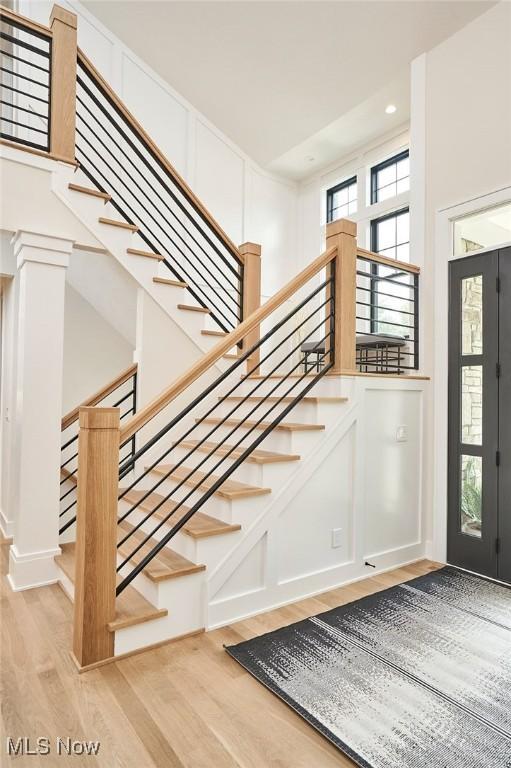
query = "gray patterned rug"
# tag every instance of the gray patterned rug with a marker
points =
(417, 676)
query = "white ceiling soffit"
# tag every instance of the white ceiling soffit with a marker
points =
(284, 80)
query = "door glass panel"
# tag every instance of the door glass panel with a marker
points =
(471, 495)
(472, 404)
(472, 315)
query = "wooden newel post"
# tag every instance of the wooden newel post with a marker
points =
(63, 83)
(96, 534)
(343, 234)
(251, 253)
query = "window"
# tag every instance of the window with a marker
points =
(390, 235)
(341, 200)
(390, 178)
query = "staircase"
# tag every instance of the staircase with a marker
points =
(156, 499)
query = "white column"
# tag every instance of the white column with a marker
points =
(41, 264)
(9, 324)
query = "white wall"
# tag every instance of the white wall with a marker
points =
(94, 352)
(312, 193)
(360, 480)
(248, 203)
(464, 114)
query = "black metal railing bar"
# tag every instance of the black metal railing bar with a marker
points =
(323, 320)
(119, 161)
(25, 82)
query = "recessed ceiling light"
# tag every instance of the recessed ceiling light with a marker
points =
(390, 109)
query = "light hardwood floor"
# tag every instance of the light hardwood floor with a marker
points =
(184, 705)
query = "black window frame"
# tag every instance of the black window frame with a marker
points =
(385, 217)
(374, 270)
(333, 190)
(394, 160)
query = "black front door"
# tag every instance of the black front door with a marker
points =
(479, 524)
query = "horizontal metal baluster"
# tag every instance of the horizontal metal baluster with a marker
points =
(23, 109)
(25, 77)
(24, 93)
(382, 293)
(22, 125)
(387, 309)
(23, 61)
(23, 44)
(25, 142)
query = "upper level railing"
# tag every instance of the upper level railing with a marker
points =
(38, 83)
(119, 158)
(387, 314)
(25, 82)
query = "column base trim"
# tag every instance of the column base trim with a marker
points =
(32, 570)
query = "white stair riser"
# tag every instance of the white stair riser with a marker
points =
(185, 599)
(303, 412)
(262, 475)
(239, 510)
(279, 441)
(207, 551)
(327, 386)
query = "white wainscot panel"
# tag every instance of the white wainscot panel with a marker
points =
(162, 116)
(219, 180)
(393, 469)
(249, 576)
(325, 502)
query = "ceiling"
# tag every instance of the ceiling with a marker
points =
(289, 81)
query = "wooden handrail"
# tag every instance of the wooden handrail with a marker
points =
(34, 25)
(121, 107)
(201, 366)
(96, 398)
(405, 266)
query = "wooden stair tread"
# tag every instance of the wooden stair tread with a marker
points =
(166, 281)
(65, 474)
(167, 564)
(306, 399)
(193, 308)
(207, 332)
(117, 223)
(130, 607)
(286, 426)
(145, 254)
(256, 457)
(90, 191)
(230, 489)
(200, 526)
(89, 248)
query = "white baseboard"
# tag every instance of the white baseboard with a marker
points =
(6, 526)
(33, 569)
(267, 599)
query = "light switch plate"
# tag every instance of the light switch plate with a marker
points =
(402, 434)
(336, 537)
